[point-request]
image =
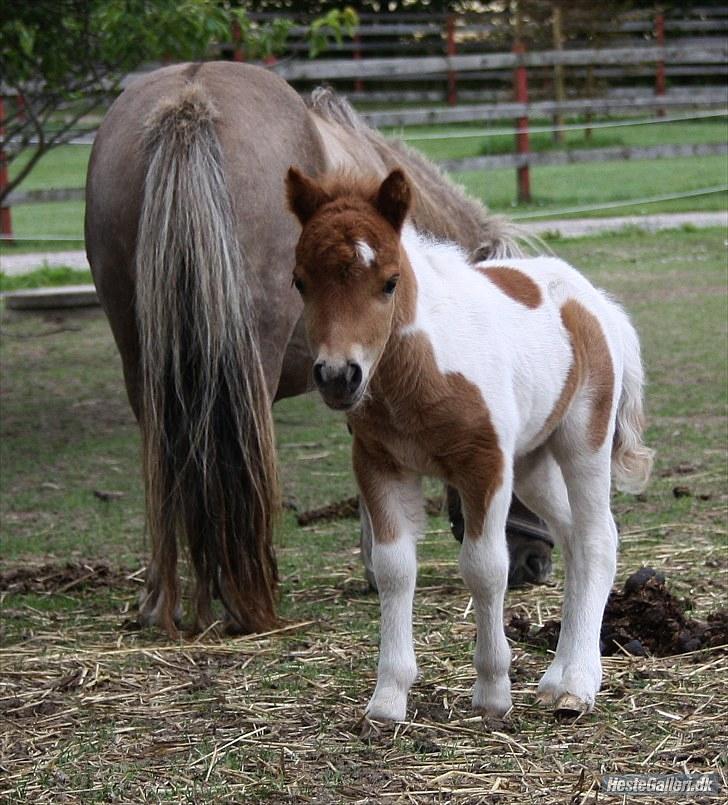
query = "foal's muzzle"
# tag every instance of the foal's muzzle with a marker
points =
(340, 385)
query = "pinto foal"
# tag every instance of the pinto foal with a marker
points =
(510, 375)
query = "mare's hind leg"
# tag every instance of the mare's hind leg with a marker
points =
(159, 599)
(590, 558)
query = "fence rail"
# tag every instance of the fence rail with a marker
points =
(489, 72)
(502, 111)
(376, 68)
(576, 155)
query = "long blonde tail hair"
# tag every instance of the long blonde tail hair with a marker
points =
(209, 453)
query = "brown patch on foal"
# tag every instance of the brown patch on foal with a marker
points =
(419, 420)
(514, 283)
(591, 368)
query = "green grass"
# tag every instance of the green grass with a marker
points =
(697, 131)
(44, 277)
(553, 187)
(95, 710)
(70, 389)
(560, 187)
(64, 166)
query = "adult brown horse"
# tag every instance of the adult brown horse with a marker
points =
(191, 248)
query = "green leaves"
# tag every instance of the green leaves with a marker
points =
(334, 25)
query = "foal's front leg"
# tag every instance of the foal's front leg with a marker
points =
(395, 504)
(484, 568)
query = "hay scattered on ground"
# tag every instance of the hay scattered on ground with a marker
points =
(92, 712)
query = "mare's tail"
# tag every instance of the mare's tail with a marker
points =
(631, 459)
(207, 433)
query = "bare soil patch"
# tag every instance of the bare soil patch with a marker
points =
(62, 577)
(643, 618)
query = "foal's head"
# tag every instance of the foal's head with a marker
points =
(348, 263)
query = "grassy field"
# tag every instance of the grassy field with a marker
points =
(95, 710)
(553, 187)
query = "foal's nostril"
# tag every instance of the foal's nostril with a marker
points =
(318, 373)
(353, 375)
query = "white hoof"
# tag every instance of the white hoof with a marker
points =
(387, 704)
(569, 690)
(493, 698)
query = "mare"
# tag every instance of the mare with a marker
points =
(510, 374)
(191, 248)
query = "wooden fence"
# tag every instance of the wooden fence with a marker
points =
(698, 58)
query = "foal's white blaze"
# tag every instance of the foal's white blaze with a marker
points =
(365, 253)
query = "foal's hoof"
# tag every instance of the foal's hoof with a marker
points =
(373, 728)
(388, 706)
(568, 706)
(492, 700)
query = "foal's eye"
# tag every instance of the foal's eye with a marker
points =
(390, 285)
(298, 284)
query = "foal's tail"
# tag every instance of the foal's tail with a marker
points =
(207, 433)
(631, 458)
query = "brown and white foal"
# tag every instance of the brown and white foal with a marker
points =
(509, 375)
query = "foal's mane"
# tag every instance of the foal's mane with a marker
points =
(440, 206)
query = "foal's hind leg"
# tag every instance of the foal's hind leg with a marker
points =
(539, 485)
(590, 557)
(159, 599)
(484, 568)
(366, 539)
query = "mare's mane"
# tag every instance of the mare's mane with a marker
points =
(440, 206)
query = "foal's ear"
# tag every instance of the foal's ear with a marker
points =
(394, 198)
(305, 195)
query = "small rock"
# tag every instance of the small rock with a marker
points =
(689, 643)
(682, 492)
(425, 746)
(635, 648)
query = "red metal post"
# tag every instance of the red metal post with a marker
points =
(520, 79)
(358, 83)
(452, 76)
(238, 52)
(6, 226)
(660, 71)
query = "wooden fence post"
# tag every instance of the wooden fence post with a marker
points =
(521, 92)
(660, 70)
(6, 226)
(452, 76)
